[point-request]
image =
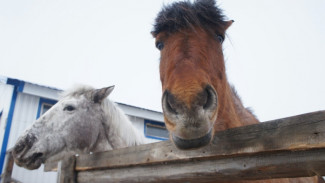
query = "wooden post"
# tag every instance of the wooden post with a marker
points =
(8, 168)
(66, 170)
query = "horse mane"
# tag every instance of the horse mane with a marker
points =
(181, 15)
(246, 114)
(119, 129)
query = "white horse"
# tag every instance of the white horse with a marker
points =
(82, 121)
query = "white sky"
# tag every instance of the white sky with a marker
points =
(275, 51)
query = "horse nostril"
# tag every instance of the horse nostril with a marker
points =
(210, 98)
(169, 103)
(36, 156)
(24, 144)
(19, 148)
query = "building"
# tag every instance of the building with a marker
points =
(21, 103)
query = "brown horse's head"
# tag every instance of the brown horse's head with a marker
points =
(192, 69)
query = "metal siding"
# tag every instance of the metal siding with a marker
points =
(24, 117)
(5, 101)
(18, 86)
(141, 113)
(41, 91)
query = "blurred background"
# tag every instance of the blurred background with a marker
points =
(274, 50)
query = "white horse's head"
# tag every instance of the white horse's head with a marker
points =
(73, 125)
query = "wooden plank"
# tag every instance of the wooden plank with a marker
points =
(305, 131)
(66, 170)
(281, 164)
(8, 168)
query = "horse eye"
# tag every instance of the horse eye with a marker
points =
(159, 45)
(220, 38)
(69, 108)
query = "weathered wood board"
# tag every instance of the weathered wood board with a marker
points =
(250, 167)
(66, 173)
(6, 176)
(295, 144)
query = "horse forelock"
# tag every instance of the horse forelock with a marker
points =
(180, 15)
(76, 91)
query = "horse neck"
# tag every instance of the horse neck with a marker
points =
(118, 128)
(232, 113)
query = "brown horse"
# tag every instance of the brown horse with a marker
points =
(197, 99)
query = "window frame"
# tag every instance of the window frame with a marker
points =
(154, 123)
(42, 102)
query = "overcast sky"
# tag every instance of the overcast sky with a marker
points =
(275, 50)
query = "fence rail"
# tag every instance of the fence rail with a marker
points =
(288, 147)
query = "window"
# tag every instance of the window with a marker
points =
(155, 130)
(44, 105)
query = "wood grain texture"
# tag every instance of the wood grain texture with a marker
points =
(66, 170)
(294, 133)
(288, 147)
(6, 176)
(250, 167)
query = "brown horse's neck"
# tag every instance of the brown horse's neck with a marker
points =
(232, 113)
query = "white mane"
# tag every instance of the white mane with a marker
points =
(121, 132)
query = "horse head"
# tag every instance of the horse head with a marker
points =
(72, 125)
(192, 69)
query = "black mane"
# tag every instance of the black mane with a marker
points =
(180, 15)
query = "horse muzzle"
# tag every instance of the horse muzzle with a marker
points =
(24, 156)
(190, 124)
(192, 143)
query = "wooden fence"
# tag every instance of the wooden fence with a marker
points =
(6, 176)
(289, 147)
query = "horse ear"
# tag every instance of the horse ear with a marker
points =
(153, 34)
(228, 24)
(99, 95)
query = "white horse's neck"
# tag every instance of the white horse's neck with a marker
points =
(119, 129)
